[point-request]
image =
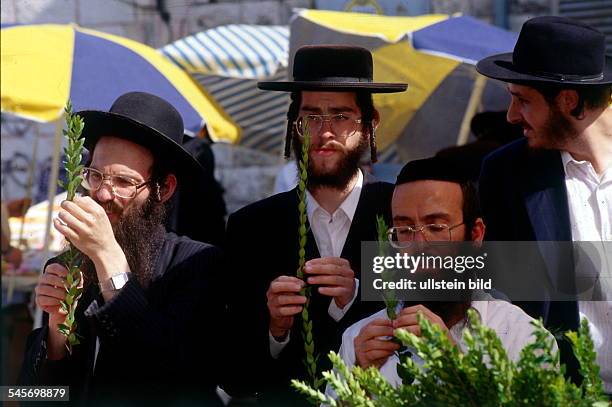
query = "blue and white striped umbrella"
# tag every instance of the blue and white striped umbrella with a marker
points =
(228, 61)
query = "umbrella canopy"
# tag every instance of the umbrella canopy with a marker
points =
(45, 65)
(434, 54)
(228, 61)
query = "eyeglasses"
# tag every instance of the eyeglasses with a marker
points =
(122, 186)
(402, 237)
(341, 123)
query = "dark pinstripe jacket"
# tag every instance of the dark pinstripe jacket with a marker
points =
(262, 244)
(156, 344)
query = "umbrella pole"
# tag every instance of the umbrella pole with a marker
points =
(57, 147)
(30, 183)
(472, 107)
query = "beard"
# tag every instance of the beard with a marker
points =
(139, 232)
(557, 131)
(341, 174)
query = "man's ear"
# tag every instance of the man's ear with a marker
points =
(165, 191)
(478, 230)
(567, 100)
(375, 119)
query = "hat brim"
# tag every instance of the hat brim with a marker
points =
(372, 87)
(500, 67)
(179, 161)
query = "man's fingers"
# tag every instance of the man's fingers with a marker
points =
(286, 287)
(376, 328)
(76, 211)
(56, 269)
(405, 320)
(69, 220)
(338, 261)
(290, 299)
(44, 301)
(330, 280)
(333, 291)
(289, 311)
(384, 346)
(64, 230)
(52, 280)
(48, 291)
(329, 269)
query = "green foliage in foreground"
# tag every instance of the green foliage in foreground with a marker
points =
(482, 376)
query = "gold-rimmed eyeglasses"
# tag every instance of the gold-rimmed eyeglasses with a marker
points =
(122, 185)
(341, 123)
(402, 237)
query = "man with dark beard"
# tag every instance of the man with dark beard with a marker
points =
(147, 293)
(556, 184)
(331, 96)
(433, 202)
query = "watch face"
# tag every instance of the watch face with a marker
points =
(119, 280)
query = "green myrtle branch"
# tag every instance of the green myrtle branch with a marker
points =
(388, 295)
(72, 257)
(311, 358)
(482, 374)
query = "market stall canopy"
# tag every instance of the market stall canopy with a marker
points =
(45, 65)
(228, 61)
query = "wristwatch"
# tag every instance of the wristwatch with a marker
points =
(115, 283)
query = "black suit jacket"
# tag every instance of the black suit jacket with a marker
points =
(262, 243)
(156, 344)
(524, 198)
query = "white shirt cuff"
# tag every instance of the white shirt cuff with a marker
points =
(336, 312)
(277, 347)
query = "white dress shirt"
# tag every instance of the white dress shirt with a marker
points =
(512, 325)
(330, 232)
(589, 198)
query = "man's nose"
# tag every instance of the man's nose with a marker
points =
(105, 192)
(419, 236)
(513, 116)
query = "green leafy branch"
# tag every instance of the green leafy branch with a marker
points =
(483, 375)
(72, 257)
(382, 231)
(311, 358)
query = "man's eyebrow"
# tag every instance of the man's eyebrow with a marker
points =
(400, 218)
(438, 215)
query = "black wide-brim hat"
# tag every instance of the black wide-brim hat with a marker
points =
(553, 50)
(149, 121)
(332, 68)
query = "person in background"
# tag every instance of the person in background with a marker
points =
(334, 102)
(555, 184)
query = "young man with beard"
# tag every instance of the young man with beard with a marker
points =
(556, 183)
(148, 294)
(432, 202)
(331, 95)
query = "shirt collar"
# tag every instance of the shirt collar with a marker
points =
(566, 159)
(348, 206)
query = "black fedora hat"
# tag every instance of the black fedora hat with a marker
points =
(333, 68)
(553, 50)
(149, 121)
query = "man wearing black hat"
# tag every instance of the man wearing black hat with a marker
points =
(147, 293)
(331, 95)
(556, 183)
(433, 202)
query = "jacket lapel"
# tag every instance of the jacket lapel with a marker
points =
(546, 202)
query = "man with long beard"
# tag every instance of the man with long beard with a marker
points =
(556, 184)
(147, 293)
(331, 96)
(433, 203)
